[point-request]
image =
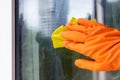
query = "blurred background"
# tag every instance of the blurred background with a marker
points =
(36, 59)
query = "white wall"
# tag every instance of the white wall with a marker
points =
(5, 40)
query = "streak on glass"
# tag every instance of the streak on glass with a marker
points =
(38, 59)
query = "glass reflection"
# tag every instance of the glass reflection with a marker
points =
(36, 57)
(80, 8)
(112, 13)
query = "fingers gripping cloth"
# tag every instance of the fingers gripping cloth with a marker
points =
(56, 35)
(99, 42)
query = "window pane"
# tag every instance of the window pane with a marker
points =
(108, 12)
(112, 18)
(112, 13)
(35, 56)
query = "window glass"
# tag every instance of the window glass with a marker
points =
(112, 13)
(36, 59)
(112, 18)
(108, 12)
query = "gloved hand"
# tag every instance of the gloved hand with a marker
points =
(101, 43)
(56, 35)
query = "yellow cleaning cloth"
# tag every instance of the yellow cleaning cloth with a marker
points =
(73, 20)
(56, 35)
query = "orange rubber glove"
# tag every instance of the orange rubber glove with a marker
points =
(99, 42)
